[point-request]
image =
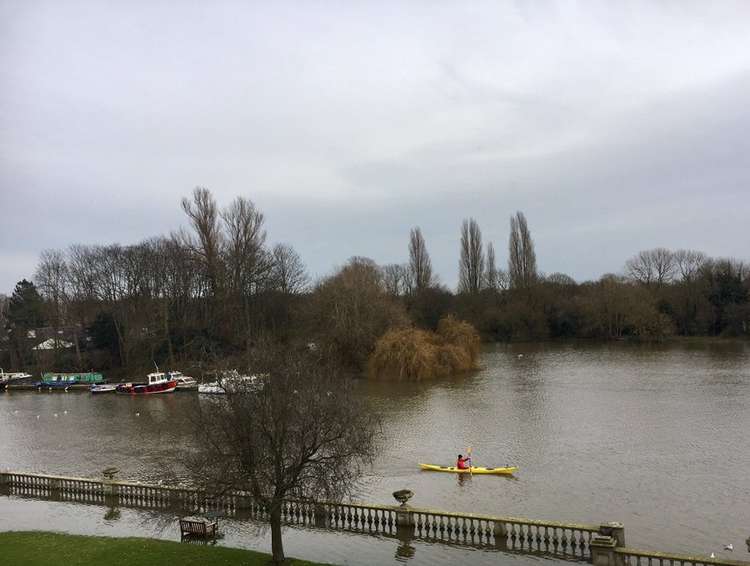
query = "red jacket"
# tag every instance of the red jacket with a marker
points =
(463, 463)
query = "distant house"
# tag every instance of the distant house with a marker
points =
(45, 337)
(53, 344)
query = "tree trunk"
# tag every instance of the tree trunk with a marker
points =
(277, 545)
(167, 336)
(78, 350)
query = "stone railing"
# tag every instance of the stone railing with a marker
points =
(602, 544)
(633, 557)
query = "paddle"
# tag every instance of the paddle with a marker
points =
(468, 451)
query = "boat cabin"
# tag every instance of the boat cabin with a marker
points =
(157, 377)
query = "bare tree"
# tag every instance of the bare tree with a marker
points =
(51, 279)
(420, 264)
(303, 434)
(246, 259)
(656, 266)
(288, 273)
(397, 279)
(351, 309)
(471, 264)
(204, 217)
(491, 275)
(521, 254)
(688, 263)
(560, 279)
(4, 301)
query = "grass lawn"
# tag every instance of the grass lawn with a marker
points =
(42, 549)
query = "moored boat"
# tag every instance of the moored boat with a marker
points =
(184, 382)
(103, 387)
(8, 378)
(56, 382)
(157, 382)
(231, 382)
(211, 388)
(507, 471)
(77, 377)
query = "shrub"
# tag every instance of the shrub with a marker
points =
(414, 354)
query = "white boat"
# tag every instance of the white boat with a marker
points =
(231, 382)
(7, 378)
(184, 382)
(211, 388)
(103, 387)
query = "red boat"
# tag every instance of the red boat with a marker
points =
(157, 383)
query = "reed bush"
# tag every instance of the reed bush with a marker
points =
(414, 354)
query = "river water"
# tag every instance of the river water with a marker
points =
(654, 436)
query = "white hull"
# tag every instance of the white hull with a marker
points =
(211, 389)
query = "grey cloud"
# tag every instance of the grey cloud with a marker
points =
(613, 128)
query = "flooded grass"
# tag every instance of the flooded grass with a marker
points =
(43, 548)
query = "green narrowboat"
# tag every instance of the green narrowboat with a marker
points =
(86, 378)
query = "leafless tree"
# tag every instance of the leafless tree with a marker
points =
(204, 217)
(471, 265)
(350, 310)
(560, 279)
(688, 263)
(288, 273)
(656, 266)
(521, 254)
(491, 274)
(4, 301)
(502, 280)
(397, 279)
(303, 434)
(420, 265)
(247, 261)
(51, 279)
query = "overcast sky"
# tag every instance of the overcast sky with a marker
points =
(615, 127)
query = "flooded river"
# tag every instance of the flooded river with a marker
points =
(657, 437)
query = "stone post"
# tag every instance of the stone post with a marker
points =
(110, 488)
(615, 530)
(603, 550)
(404, 519)
(320, 516)
(404, 515)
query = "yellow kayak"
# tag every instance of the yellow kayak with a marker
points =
(474, 470)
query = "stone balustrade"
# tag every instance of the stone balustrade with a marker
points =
(601, 544)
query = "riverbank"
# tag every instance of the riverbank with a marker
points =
(44, 548)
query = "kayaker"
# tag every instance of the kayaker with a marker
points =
(463, 463)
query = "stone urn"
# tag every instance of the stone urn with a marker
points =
(403, 495)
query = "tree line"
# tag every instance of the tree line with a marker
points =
(216, 292)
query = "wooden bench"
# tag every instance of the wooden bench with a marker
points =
(198, 528)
